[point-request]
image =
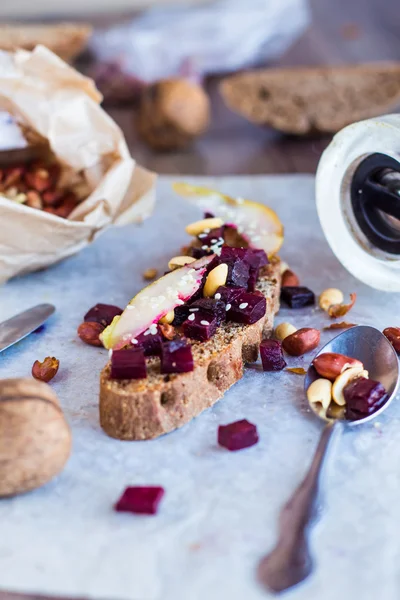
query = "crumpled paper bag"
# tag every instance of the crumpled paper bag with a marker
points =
(60, 105)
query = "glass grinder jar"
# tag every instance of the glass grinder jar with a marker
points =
(358, 200)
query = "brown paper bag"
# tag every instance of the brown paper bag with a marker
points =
(59, 104)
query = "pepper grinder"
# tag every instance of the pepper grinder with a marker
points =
(358, 200)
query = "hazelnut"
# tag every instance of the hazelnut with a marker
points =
(290, 279)
(46, 370)
(150, 274)
(329, 297)
(89, 332)
(283, 330)
(35, 440)
(172, 113)
(393, 335)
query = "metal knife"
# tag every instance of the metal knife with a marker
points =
(15, 329)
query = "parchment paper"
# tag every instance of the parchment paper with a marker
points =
(220, 511)
(58, 104)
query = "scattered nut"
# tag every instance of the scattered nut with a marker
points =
(330, 364)
(319, 396)
(179, 261)
(168, 331)
(46, 370)
(329, 297)
(290, 279)
(283, 330)
(342, 380)
(283, 267)
(200, 226)
(150, 274)
(339, 310)
(168, 318)
(393, 335)
(215, 279)
(35, 440)
(89, 332)
(301, 341)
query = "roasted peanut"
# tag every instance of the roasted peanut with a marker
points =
(168, 331)
(301, 341)
(343, 379)
(330, 364)
(34, 200)
(150, 274)
(283, 330)
(179, 261)
(329, 297)
(215, 279)
(393, 335)
(200, 226)
(290, 279)
(46, 370)
(89, 332)
(319, 396)
(168, 318)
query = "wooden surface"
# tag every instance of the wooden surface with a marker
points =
(342, 31)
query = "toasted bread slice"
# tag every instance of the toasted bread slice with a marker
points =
(148, 408)
(316, 99)
(67, 40)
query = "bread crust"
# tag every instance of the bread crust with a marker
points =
(148, 408)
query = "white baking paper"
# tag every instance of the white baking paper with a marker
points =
(219, 515)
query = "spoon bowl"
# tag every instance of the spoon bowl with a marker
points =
(377, 354)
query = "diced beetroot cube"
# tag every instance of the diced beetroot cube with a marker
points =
(213, 238)
(176, 357)
(238, 268)
(102, 313)
(229, 254)
(363, 397)
(200, 326)
(181, 314)
(297, 297)
(212, 306)
(200, 252)
(228, 294)
(238, 435)
(272, 355)
(141, 500)
(150, 342)
(128, 364)
(255, 259)
(248, 308)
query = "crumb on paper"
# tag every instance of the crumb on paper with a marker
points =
(150, 274)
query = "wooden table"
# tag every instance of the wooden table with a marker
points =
(342, 31)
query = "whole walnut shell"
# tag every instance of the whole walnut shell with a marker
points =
(172, 113)
(35, 439)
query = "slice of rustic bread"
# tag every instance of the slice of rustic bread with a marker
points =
(65, 39)
(305, 100)
(147, 408)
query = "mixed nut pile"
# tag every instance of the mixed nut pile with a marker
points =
(37, 184)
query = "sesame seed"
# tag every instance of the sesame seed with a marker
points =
(179, 301)
(110, 353)
(228, 307)
(193, 309)
(174, 364)
(204, 323)
(192, 317)
(202, 235)
(147, 332)
(204, 247)
(217, 296)
(134, 341)
(214, 241)
(207, 230)
(243, 305)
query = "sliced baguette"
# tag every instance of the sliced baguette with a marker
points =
(316, 99)
(67, 40)
(148, 408)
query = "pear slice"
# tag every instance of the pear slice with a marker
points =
(154, 302)
(258, 224)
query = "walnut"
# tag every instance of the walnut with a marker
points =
(35, 440)
(172, 113)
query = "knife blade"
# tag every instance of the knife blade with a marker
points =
(15, 329)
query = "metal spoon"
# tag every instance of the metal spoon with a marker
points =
(290, 562)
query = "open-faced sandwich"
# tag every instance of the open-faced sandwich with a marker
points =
(183, 340)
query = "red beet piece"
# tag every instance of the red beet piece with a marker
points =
(176, 357)
(297, 297)
(228, 294)
(150, 343)
(201, 326)
(214, 308)
(209, 215)
(181, 314)
(141, 500)
(238, 435)
(128, 364)
(213, 237)
(363, 397)
(102, 313)
(248, 308)
(272, 355)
